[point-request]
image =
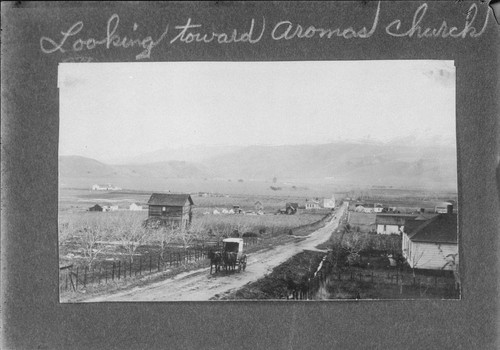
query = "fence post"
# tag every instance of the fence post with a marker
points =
(119, 269)
(158, 263)
(100, 273)
(76, 283)
(106, 275)
(140, 265)
(85, 277)
(113, 272)
(130, 267)
(150, 263)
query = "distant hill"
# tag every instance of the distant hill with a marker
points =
(352, 162)
(81, 167)
(396, 164)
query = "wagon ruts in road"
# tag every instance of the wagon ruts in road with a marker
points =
(230, 258)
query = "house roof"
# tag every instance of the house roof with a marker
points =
(170, 199)
(441, 228)
(425, 216)
(392, 219)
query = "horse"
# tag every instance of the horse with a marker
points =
(215, 260)
(230, 259)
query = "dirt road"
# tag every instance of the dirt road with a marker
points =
(200, 285)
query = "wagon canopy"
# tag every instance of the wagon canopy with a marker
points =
(233, 245)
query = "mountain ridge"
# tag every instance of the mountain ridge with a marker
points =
(375, 163)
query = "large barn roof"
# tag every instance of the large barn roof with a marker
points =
(170, 199)
(440, 229)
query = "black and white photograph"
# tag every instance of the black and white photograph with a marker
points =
(250, 175)
(268, 180)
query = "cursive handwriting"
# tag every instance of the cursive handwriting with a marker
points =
(443, 31)
(111, 39)
(72, 40)
(285, 30)
(187, 36)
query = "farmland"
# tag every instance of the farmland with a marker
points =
(115, 248)
(103, 246)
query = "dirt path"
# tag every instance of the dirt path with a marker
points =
(200, 285)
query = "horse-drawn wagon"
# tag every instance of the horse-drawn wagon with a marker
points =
(230, 258)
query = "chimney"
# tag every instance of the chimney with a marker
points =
(449, 209)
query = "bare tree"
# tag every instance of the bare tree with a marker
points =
(91, 236)
(163, 235)
(132, 234)
(353, 244)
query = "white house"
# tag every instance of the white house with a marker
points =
(378, 207)
(329, 202)
(135, 207)
(391, 224)
(433, 243)
(312, 204)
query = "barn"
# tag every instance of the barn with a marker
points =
(170, 207)
(432, 244)
(96, 207)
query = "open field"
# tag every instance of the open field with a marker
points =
(97, 248)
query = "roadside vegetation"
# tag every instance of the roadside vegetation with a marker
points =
(353, 266)
(100, 251)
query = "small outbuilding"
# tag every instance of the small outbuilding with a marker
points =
(135, 207)
(258, 206)
(291, 208)
(96, 207)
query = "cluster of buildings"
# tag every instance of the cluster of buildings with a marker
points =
(132, 207)
(429, 240)
(318, 203)
(107, 187)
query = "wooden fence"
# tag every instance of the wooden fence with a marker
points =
(328, 276)
(80, 277)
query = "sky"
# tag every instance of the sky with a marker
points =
(118, 110)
